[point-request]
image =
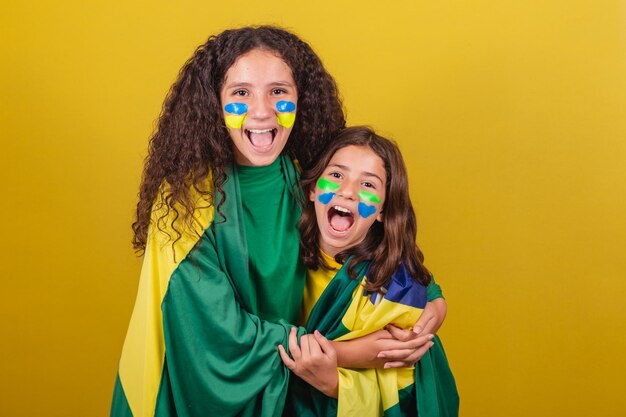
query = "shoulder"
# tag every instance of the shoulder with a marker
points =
(404, 289)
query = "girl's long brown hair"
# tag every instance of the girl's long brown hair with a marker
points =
(388, 244)
(191, 142)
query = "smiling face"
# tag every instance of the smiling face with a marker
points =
(349, 197)
(259, 99)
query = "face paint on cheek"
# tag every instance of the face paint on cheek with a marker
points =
(236, 114)
(325, 198)
(369, 197)
(286, 113)
(326, 185)
(365, 211)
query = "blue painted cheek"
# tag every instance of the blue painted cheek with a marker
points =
(285, 106)
(325, 198)
(236, 108)
(365, 211)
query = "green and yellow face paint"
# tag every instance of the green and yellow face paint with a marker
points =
(286, 113)
(236, 114)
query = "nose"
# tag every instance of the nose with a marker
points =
(260, 108)
(348, 189)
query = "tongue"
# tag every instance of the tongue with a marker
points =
(340, 223)
(261, 140)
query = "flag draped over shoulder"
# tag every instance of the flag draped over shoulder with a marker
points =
(196, 345)
(346, 311)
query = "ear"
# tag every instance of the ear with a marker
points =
(380, 216)
(312, 194)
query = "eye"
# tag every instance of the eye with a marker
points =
(240, 93)
(278, 91)
(368, 185)
(336, 175)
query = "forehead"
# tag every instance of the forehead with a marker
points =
(361, 160)
(259, 65)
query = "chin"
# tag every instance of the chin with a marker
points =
(263, 160)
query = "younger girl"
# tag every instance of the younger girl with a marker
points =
(360, 215)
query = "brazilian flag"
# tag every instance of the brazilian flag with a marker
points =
(208, 316)
(346, 311)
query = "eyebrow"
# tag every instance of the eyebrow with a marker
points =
(238, 85)
(366, 173)
(246, 84)
(286, 83)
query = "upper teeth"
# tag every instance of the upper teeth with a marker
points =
(260, 130)
(344, 210)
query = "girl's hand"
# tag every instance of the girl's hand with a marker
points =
(429, 322)
(315, 361)
(432, 317)
(416, 346)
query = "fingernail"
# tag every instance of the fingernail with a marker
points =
(316, 332)
(387, 366)
(432, 344)
(381, 355)
(430, 336)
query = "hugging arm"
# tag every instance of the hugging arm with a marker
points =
(394, 347)
(220, 359)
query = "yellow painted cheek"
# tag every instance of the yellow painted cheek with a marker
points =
(286, 119)
(234, 121)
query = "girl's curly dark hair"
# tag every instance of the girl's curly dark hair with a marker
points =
(191, 142)
(388, 244)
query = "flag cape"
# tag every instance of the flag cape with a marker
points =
(346, 311)
(195, 344)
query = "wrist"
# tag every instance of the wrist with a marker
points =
(341, 353)
(332, 390)
(358, 353)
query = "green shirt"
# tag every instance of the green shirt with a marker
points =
(270, 217)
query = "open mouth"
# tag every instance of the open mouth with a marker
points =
(340, 219)
(261, 139)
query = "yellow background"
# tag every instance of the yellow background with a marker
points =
(511, 116)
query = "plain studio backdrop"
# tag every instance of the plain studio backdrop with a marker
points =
(511, 116)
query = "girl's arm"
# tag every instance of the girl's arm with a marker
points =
(191, 343)
(393, 347)
(365, 352)
(315, 360)
(221, 359)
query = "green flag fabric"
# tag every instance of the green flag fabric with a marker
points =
(210, 309)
